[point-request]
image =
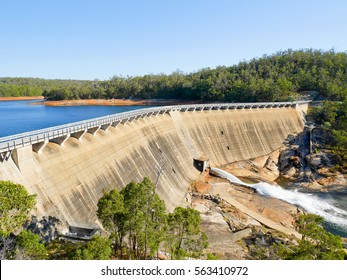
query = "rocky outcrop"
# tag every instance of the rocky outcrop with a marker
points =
(320, 161)
(259, 169)
(303, 160)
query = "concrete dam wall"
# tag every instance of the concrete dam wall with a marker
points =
(69, 179)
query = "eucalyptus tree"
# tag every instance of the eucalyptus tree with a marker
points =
(15, 206)
(111, 213)
(146, 219)
(184, 236)
(135, 214)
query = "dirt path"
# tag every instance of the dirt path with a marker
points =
(223, 192)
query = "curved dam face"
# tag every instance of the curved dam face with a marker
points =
(69, 179)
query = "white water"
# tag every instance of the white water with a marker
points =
(309, 202)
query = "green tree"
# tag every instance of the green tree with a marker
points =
(111, 213)
(136, 214)
(146, 219)
(136, 218)
(15, 206)
(184, 238)
(28, 246)
(98, 248)
(340, 149)
(316, 243)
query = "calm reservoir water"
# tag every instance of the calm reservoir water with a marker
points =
(20, 116)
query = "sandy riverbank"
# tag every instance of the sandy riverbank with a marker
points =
(21, 98)
(116, 102)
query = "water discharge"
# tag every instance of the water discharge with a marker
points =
(309, 202)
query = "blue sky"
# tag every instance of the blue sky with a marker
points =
(99, 39)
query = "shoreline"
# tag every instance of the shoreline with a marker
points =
(11, 98)
(116, 102)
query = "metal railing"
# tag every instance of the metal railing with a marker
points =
(12, 142)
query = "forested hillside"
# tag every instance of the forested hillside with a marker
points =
(275, 77)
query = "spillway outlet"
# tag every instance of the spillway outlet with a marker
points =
(201, 163)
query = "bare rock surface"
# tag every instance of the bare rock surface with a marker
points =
(304, 160)
(226, 225)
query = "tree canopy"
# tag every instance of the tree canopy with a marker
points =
(184, 238)
(276, 77)
(98, 248)
(111, 213)
(316, 243)
(137, 213)
(138, 224)
(15, 205)
(28, 246)
(145, 218)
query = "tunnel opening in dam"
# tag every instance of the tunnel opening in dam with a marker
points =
(95, 156)
(201, 163)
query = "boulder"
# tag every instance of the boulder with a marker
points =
(320, 160)
(271, 165)
(289, 173)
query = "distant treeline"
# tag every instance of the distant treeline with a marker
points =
(276, 77)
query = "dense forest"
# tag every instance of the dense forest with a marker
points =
(277, 77)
